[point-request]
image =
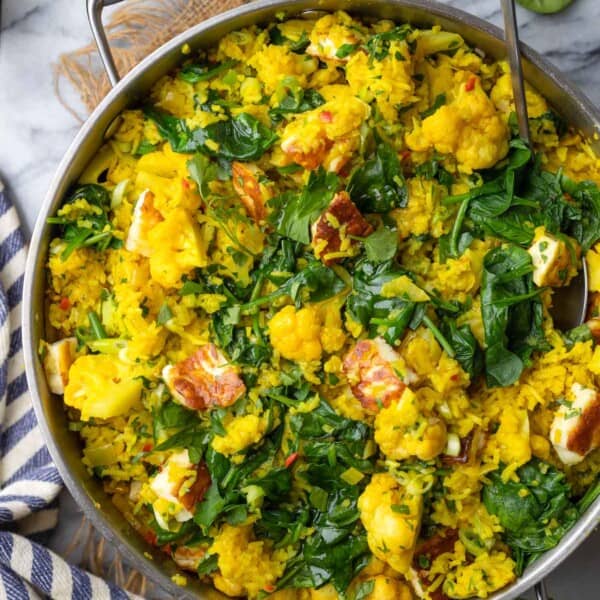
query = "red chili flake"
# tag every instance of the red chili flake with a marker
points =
(185, 183)
(470, 85)
(166, 548)
(269, 588)
(405, 155)
(64, 304)
(291, 459)
(147, 447)
(150, 537)
(454, 377)
(326, 116)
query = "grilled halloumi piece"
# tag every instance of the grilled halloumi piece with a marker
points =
(372, 368)
(553, 261)
(334, 232)
(251, 186)
(204, 380)
(575, 431)
(179, 485)
(145, 217)
(57, 361)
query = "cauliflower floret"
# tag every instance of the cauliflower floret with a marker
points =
(204, 380)
(249, 183)
(554, 263)
(178, 487)
(388, 80)
(575, 431)
(245, 566)
(334, 232)
(327, 135)
(57, 361)
(330, 33)
(372, 368)
(304, 334)
(392, 517)
(177, 247)
(102, 386)
(145, 217)
(469, 127)
(401, 430)
(241, 433)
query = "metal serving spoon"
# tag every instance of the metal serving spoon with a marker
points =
(569, 303)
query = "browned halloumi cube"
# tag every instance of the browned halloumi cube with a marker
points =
(575, 431)
(372, 369)
(204, 380)
(58, 358)
(334, 232)
(254, 193)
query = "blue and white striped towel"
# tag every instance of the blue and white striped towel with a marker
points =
(29, 481)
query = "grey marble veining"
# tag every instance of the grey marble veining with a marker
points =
(35, 131)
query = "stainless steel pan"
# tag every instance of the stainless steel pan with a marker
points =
(64, 445)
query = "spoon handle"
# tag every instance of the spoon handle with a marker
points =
(511, 37)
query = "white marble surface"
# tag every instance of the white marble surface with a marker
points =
(35, 131)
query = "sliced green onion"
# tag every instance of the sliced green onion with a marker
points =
(456, 229)
(352, 476)
(97, 328)
(118, 193)
(437, 334)
(453, 445)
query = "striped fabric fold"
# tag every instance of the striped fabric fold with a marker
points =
(29, 481)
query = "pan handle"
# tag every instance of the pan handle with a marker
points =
(94, 13)
(541, 593)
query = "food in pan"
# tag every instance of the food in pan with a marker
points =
(299, 310)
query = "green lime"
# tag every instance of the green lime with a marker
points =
(545, 7)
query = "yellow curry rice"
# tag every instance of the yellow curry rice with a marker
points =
(298, 309)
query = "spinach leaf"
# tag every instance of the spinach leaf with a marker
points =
(193, 73)
(586, 228)
(226, 497)
(439, 101)
(170, 415)
(535, 512)
(378, 45)
(378, 185)
(577, 334)
(345, 50)
(242, 137)
(314, 283)
(86, 227)
(278, 39)
(296, 100)
(164, 536)
(208, 564)
(512, 314)
(294, 213)
(388, 317)
(466, 348)
(381, 245)
(432, 169)
(336, 548)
